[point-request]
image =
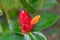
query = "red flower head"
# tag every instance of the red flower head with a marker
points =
(26, 22)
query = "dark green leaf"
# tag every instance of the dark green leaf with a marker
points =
(33, 1)
(12, 13)
(12, 26)
(45, 4)
(5, 25)
(31, 36)
(27, 6)
(11, 36)
(15, 25)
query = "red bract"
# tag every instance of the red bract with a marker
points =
(24, 21)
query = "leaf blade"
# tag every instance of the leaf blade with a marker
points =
(47, 19)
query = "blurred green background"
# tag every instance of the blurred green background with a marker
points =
(14, 6)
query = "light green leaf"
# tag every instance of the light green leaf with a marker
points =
(50, 4)
(47, 20)
(39, 36)
(35, 36)
(26, 37)
(1, 13)
(11, 3)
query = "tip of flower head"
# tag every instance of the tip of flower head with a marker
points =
(35, 20)
(24, 12)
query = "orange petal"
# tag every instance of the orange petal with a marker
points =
(35, 20)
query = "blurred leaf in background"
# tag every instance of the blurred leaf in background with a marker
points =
(50, 3)
(11, 3)
(1, 13)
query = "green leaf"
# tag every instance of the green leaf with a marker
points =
(15, 26)
(1, 13)
(33, 1)
(1, 30)
(41, 4)
(33, 5)
(47, 20)
(5, 25)
(12, 13)
(27, 37)
(30, 36)
(38, 4)
(11, 3)
(34, 36)
(11, 36)
(27, 6)
(50, 3)
(39, 36)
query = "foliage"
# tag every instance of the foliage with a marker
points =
(11, 31)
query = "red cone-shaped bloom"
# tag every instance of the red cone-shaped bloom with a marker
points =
(24, 21)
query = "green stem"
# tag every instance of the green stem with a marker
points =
(7, 15)
(8, 18)
(32, 36)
